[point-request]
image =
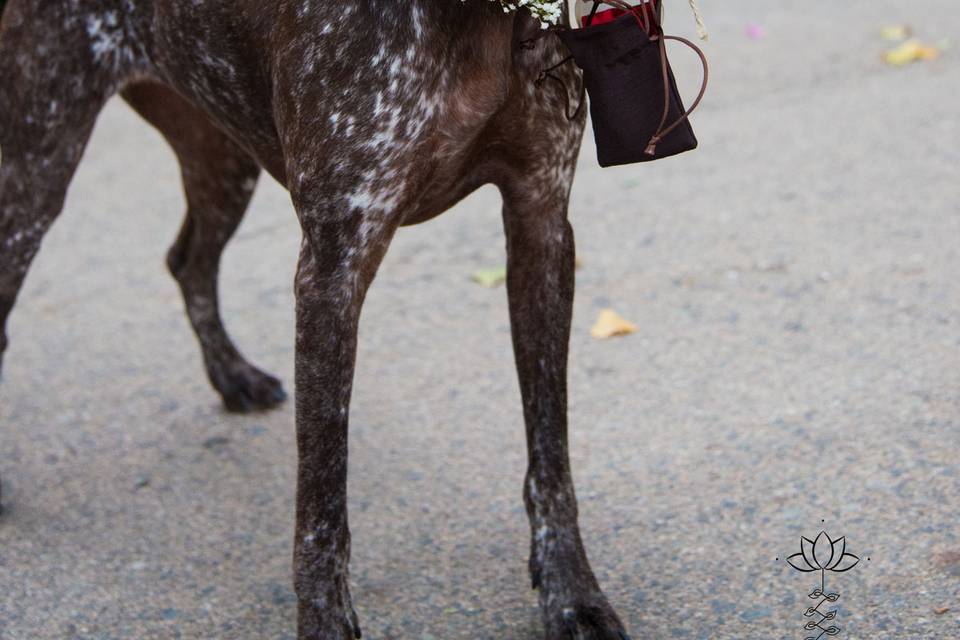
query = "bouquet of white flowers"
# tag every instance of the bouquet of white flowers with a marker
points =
(548, 12)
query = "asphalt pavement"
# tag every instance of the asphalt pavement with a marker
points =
(796, 287)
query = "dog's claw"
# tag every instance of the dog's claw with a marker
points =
(535, 567)
(570, 622)
(355, 623)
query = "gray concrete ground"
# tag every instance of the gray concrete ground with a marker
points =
(795, 283)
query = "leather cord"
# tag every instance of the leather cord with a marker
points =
(546, 73)
(652, 147)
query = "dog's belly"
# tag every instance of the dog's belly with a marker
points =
(445, 189)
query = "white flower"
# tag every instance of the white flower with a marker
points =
(548, 12)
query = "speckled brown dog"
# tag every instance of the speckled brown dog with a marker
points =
(373, 114)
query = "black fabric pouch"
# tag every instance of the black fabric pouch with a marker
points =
(636, 109)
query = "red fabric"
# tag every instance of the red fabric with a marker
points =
(601, 17)
(606, 15)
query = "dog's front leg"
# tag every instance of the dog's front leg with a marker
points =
(540, 282)
(337, 263)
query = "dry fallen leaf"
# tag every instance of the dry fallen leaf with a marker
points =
(910, 51)
(941, 610)
(610, 324)
(490, 277)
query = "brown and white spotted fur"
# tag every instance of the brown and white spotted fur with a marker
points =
(374, 114)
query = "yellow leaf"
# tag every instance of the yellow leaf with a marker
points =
(904, 54)
(490, 277)
(910, 51)
(610, 324)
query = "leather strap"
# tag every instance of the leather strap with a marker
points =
(546, 73)
(652, 147)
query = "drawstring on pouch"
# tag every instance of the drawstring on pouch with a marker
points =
(546, 73)
(529, 44)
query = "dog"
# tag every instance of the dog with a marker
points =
(373, 114)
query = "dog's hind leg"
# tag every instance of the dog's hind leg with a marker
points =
(218, 179)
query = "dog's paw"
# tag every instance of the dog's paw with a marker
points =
(339, 632)
(329, 625)
(589, 621)
(579, 611)
(248, 389)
